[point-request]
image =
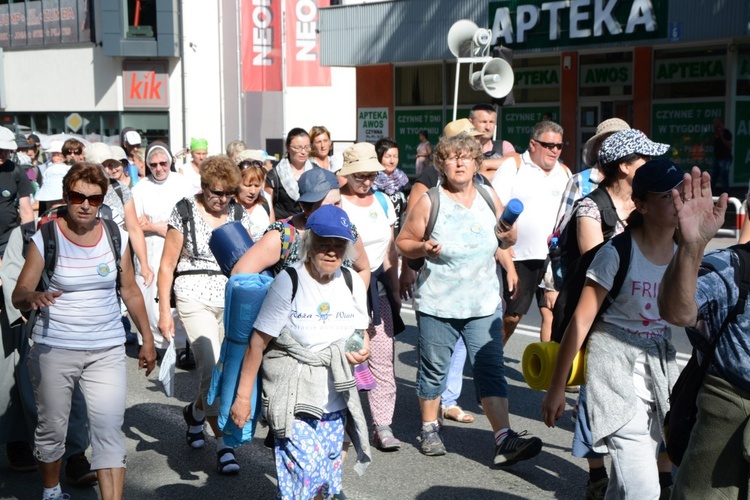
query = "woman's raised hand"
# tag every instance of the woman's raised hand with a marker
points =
(699, 218)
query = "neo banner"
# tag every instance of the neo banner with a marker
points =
(261, 45)
(303, 67)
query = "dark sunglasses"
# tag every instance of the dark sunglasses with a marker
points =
(550, 145)
(75, 152)
(364, 177)
(159, 164)
(250, 163)
(77, 198)
(220, 194)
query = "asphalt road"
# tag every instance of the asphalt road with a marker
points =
(161, 465)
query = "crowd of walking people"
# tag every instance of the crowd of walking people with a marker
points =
(98, 236)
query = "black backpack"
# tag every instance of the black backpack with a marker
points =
(682, 415)
(575, 279)
(434, 194)
(568, 237)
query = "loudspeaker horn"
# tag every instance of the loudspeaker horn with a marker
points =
(496, 78)
(461, 36)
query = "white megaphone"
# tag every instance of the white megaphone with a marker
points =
(466, 39)
(496, 78)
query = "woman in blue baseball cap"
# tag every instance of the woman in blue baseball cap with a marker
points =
(309, 313)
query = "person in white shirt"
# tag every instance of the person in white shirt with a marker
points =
(538, 182)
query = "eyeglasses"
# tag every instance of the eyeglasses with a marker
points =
(113, 166)
(77, 198)
(300, 149)
(364, 177)
(75, 152)
(550, 145)
(219, 194)
(453, 160)
(250, 163)
(162, 164)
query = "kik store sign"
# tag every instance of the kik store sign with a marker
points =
(528, 24)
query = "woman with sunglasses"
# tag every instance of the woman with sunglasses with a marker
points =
(199, 291)
(73, 151)
(282, 182)
(251, 194)
(373, 214)
(78, 337)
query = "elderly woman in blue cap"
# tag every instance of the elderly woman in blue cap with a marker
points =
(310, 312)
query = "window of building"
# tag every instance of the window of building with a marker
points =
(743, 71)
(680, 74)
(607, 74)
(141, 18)
(420, 85)
(537, 79)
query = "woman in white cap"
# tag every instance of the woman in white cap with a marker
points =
(374, 215)
(302, 339)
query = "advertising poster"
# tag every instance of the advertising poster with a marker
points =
(303, 67)
(741, 143)
(261, 46)
(372, 124)
(408, 125)
(688, 128)
(516, 124)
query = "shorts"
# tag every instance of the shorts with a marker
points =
(530, 274)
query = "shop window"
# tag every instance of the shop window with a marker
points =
(681, 74)
(141, 18)
(743, 71)
(419, 85)
(606, 75)
(537, 80)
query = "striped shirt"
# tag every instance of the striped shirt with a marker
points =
(87, 314)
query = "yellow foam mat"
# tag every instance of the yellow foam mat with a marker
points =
(538, 364)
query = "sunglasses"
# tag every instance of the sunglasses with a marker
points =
(550, 145)
(75, 152)
(162, 164)
(250, 163)
(364, 177)
(77, 198)
(219, 194)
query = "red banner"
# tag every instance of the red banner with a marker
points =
(303, 67)
(261, 45)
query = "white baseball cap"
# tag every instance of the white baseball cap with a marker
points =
(7, 139)
(55, 147)
(132, 138)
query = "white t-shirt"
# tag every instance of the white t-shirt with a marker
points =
(374, 227)
(156, 200)
(319, 315)
(540, 193)
(192, 176)
(259, 222)
(635, 309)
(87, 314)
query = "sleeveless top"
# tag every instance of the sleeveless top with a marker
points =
(462, 282)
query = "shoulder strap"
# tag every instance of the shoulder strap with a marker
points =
(607, 209)
(347, 278)
(188, 224)
(112, 230)
(265, 206)
(485, 195)
(623, 243)
(238, 211)
(118, 189)
(27, 231)
(49, 239)
(434, 195)
(382, 200)
(292, 272)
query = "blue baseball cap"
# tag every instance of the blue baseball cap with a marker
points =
(656, 176)
(315, 184)
(330, 221)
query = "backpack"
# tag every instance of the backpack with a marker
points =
(434, 194)
(564, 256)
(575, 279)
(292, 272)
(380, 196)
(681, 417)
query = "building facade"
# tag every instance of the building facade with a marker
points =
(668, 67)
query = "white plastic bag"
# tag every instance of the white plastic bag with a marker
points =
(166, 371)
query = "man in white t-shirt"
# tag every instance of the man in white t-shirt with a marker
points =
(538, 182)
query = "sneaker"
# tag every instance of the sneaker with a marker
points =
(515, 448)
(185, 360)
(194, 439)
(78, 471)
(597, 489)
(430, 442)
(384, 440)
(20, 456)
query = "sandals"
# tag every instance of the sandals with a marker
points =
(457, 414)
(384, 440)
(228, 466)
(194, 439)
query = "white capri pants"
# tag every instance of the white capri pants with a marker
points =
(103, 379)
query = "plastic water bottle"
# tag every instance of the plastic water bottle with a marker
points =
(355, 342)
(555, 253)
(512, 210)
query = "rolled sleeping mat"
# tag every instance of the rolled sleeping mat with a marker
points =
(538, 365)
(228, 243)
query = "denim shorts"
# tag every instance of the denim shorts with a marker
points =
(483, 337)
